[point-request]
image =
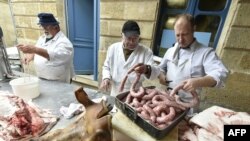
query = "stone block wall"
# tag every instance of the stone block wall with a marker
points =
(235, 53)
(25, 17)
(6, 23)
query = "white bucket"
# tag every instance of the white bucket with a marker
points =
(26, 87)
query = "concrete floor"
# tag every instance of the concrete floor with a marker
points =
(86, 81)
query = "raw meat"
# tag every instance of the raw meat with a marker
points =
(208, 125)
(21, 121)
(186, 133)
(204, 135)
(214, 118)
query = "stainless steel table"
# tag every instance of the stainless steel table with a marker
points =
(53, 95)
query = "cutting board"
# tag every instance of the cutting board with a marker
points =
(123, 124)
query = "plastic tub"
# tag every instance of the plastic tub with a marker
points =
(26, 87)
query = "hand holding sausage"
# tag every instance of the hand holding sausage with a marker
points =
(105, 85)
(27, 48)
(162, 78)
(140, 68)
(193, 83)
(27, 58)
(189, 85)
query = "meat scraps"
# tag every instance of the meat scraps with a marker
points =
(21, 121)
(209, 124)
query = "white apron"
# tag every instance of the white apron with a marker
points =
(179, 70)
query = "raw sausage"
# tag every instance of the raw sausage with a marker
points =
(165, 118)
(150, 95)
(194, 102)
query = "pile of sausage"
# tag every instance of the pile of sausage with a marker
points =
(156, 107)
(159, 108)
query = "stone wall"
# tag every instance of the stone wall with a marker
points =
(6, 23)
(25, 17)
(234, 50)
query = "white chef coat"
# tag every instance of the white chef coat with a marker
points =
(60, 65)
(115, 66)
(197, 61)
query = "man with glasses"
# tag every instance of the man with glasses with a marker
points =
(53, 52)
(122, 56)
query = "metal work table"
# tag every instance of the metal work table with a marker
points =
(53, 95)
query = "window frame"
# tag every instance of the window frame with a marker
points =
(193, 9)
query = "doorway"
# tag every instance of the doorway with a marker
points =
(83, 30)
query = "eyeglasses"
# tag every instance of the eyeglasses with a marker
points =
(131, 38)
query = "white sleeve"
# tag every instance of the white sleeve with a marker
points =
(162, 67)
(215, 68)
(155, 71)
(61, 54)
(106, 69)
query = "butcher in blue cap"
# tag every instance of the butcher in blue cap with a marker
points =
(123, 55)
(47, 19)
(53, 52)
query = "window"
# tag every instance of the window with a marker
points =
(176, 4)
(209, 15)
(212, 5)
(209, 24)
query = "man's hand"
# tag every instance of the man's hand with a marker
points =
(199, 82)
(162, 78)
(27, 48)
(105, 85)
(30, 49)
(190, 85)
(141, 69)
(27, 58)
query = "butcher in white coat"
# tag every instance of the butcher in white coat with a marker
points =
(53, 52)
(122, 56)
(189, 62)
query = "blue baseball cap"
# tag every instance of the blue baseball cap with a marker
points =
(47, 19)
